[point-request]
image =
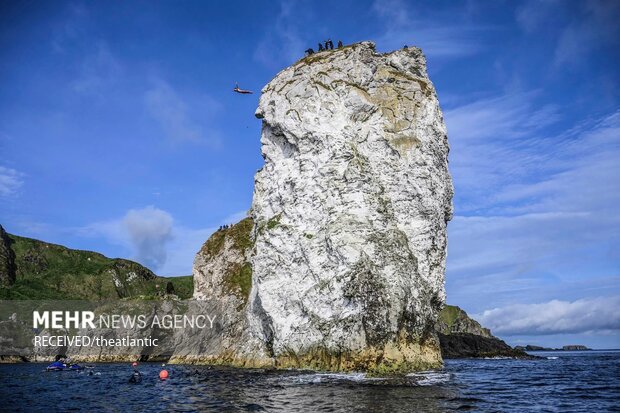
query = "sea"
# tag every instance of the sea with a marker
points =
(584, 381)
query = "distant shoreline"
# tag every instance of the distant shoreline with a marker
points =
(559, 350)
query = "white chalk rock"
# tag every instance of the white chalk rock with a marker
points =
(350, 213)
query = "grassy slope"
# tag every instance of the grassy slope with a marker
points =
(50, 271)
(449, 314)
(183, 286)
(453, 320)
(238, 277)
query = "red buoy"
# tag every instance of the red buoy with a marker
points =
(163, 374)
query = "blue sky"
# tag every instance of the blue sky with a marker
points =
(119, 133)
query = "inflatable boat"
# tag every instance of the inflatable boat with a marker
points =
(60, 366)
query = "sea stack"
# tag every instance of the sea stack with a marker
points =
(349, 214)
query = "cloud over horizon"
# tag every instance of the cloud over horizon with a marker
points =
(531, 203)
(590, 315)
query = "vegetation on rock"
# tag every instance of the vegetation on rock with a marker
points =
(461, 336)
(48, 271)
(234, 275)
(452, 319)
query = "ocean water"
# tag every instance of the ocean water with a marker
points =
(559, 382)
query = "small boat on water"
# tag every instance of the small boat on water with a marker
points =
(60, 366)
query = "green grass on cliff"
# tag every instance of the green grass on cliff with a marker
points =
(183, 286)
(239, 281)
(237, 277)
(273, 222)
(450, 314)
(323, 54)
(50, 271)
(240, 234)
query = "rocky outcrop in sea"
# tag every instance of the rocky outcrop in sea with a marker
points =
(340, 264)
(343, 266)
(463, 337)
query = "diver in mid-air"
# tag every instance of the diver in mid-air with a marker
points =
(242, 91)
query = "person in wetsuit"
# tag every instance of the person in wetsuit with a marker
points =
(136, 377)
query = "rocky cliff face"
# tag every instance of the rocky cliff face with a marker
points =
(7, 259)
(33, 270)
(223, 275)
(453, 320)
(463, 337)
(349, 217)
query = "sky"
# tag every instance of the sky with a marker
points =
(119, 133)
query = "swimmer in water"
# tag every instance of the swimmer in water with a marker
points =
(136, 376)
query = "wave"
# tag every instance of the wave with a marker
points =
(430, 378)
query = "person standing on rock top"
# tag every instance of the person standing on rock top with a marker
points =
(340, 46)
(330, 44)
(320, 47)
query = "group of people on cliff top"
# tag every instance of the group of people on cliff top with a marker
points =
(326, 45)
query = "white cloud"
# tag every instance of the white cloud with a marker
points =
(146, 232)
(175, 114)
(596, 25)
(436, 35)
(535, 210)
(601, 314)
(503, 158)
(99, 71)
(532, 14)
(501, 117)
(584, 26)
(495, 141)
(394, 11)
(152, 238)
(10, 181)
(150, 230)
(282, 44)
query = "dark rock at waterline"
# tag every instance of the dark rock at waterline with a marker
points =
(534, 348)
(460, 336)
(572, 347)
(465, 345)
